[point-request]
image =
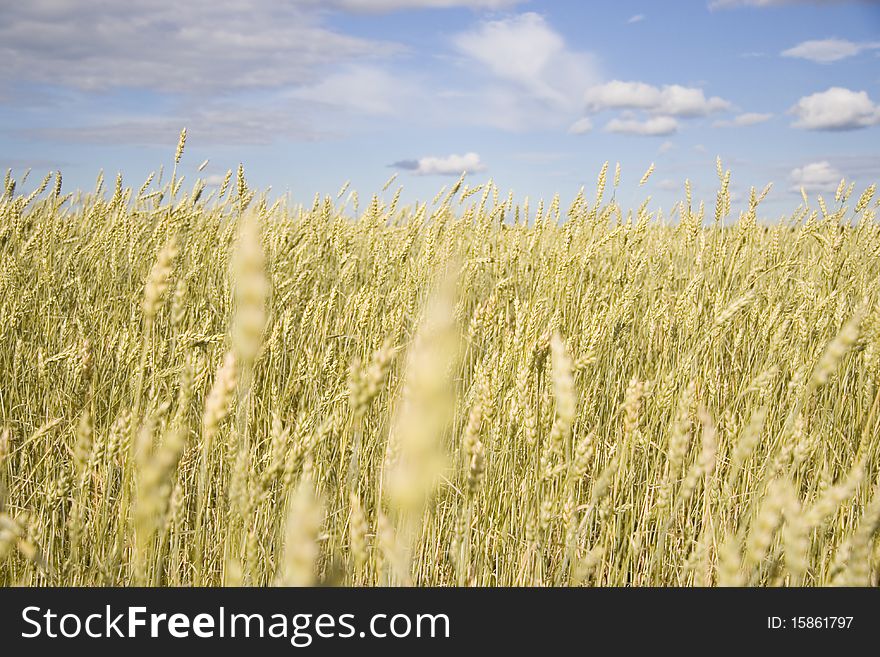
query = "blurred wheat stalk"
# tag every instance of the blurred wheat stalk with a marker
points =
(201, 389)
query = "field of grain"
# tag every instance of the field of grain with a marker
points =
(206, 388)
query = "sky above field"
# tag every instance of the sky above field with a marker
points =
(308, 94)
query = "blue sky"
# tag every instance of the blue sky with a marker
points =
(537, 95)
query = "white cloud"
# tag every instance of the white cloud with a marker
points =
(581, 126)
(669, 185)
(622, 95)
(836, 109)
(366, 89)
(825, 51)
(655, 126)
(451, 165)
(669, 100)
(742, 120)
(815, 177)
(395, 5)
(638, 18)
(527, 53)
(665, 147)
(684, 101)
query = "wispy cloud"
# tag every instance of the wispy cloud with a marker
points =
(378, 6)
(366, 89)
(743, 120)
(638, 18)
(825, 51)
(727, 4)
(525, 51)
(450, 165)
(864, 166)
(581, 126)
(836, 108)
(653, 127)
(518, 73)
(219, 123)
(20, 163)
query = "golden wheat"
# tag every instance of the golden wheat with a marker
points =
(469, 391)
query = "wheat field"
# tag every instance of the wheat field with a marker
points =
(211, 389)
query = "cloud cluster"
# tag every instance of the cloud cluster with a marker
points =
(836, 108)
(825, 51)
(662, 105)
(669, 100)
(194, 48)
(450, 165)
(250, 72)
